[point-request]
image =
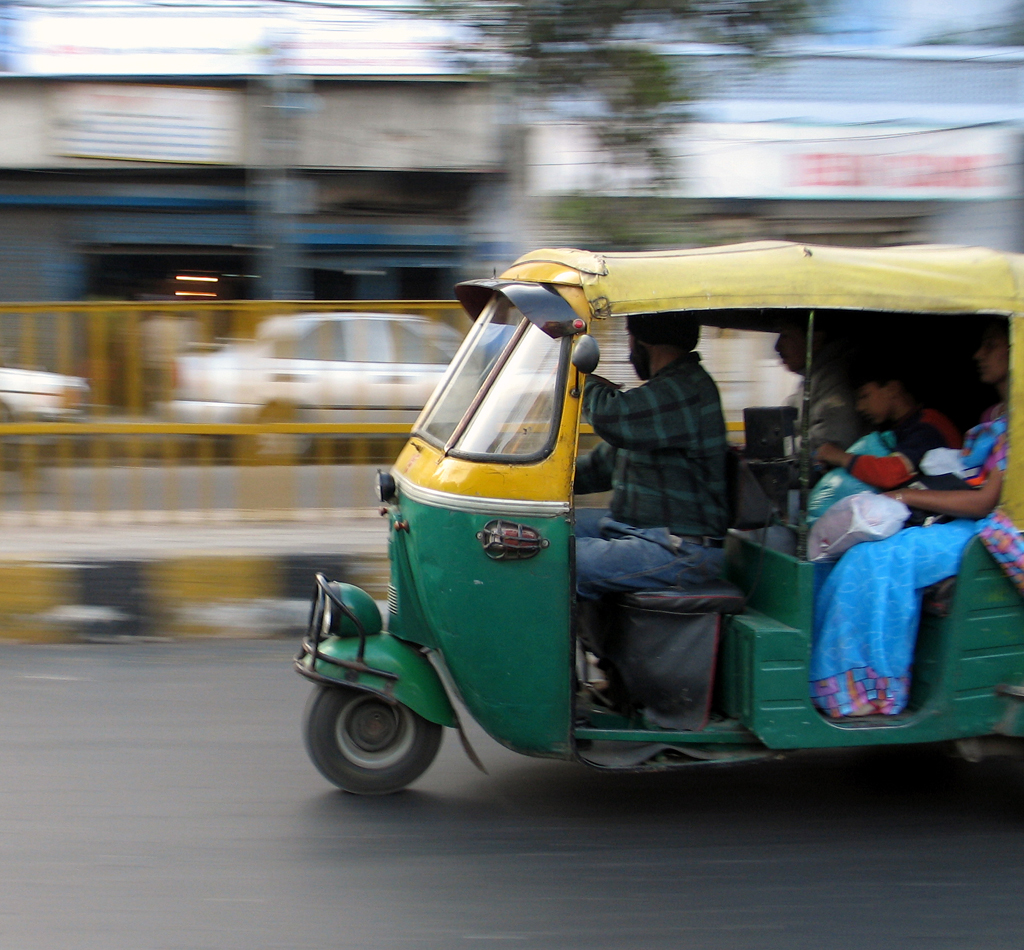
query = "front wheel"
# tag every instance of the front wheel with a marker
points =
(365, 745)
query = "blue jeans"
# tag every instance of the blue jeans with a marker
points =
(612, 556)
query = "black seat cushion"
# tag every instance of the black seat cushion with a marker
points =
(715, 597)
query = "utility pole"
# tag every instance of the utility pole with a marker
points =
(282, 100)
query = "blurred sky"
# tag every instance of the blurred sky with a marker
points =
(909, 22)
(857, 22)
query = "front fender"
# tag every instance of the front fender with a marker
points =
(412, 680)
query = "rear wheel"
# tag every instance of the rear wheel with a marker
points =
(366, 745)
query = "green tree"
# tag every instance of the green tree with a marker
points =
(613, 56)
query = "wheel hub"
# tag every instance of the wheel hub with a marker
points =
(373, 734)
(373, 727)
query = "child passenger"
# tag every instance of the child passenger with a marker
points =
(884, 397)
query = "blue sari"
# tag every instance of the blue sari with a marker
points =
(868, 609)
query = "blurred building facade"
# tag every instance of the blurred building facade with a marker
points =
(318, 152)
(821, 142)
(333, 151)
(858, 146)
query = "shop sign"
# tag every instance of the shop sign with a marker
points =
(770, 160)
(759, 161)
(147, 123)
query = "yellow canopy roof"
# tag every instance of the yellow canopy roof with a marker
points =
(780, 274)
(773, 275)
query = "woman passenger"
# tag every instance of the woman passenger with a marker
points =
(867, 611)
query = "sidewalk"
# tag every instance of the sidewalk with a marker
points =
(204, 575)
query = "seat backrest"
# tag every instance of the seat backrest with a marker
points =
(749, 504)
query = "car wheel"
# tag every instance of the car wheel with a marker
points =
(366, 745)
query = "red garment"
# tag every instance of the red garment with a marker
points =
(918, 433)
(954, 440)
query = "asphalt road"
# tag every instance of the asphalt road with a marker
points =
(157, 795)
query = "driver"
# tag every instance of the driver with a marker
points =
(663, 457)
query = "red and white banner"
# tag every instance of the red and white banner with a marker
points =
(776, 161)
(772, 160)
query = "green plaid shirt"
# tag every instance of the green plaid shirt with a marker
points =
(663, 453)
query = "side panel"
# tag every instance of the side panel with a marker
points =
(959, 662)
(777, 584)
(988, 620)
(772, 658)
(406, 618)
(502, 628)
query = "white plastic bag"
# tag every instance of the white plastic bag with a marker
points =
(855, 518)
(942, 462)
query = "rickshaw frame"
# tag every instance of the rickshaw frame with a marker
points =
(509, 659)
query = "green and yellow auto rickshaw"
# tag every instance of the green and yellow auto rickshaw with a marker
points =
(481, 604)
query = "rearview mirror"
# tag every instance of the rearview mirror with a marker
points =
(586, 354)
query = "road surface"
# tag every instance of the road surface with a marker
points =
(157, 795)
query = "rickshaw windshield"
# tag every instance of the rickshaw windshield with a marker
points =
(499, 398)
(518, 413)
(487, 340)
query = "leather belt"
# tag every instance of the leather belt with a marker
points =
(703, 542)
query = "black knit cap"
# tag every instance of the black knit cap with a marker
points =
(676, 328)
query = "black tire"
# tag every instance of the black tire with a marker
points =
(366, 745)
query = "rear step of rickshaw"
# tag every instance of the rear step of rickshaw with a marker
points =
(605, 725)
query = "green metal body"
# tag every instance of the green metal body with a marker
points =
(500, 633)
(959, 661)
(501, 628)
(417, 685)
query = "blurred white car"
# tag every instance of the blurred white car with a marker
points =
(317, 367)
(36, 395)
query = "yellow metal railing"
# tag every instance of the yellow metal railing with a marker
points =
(85, 432)
(120, 348)
(111, 449)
